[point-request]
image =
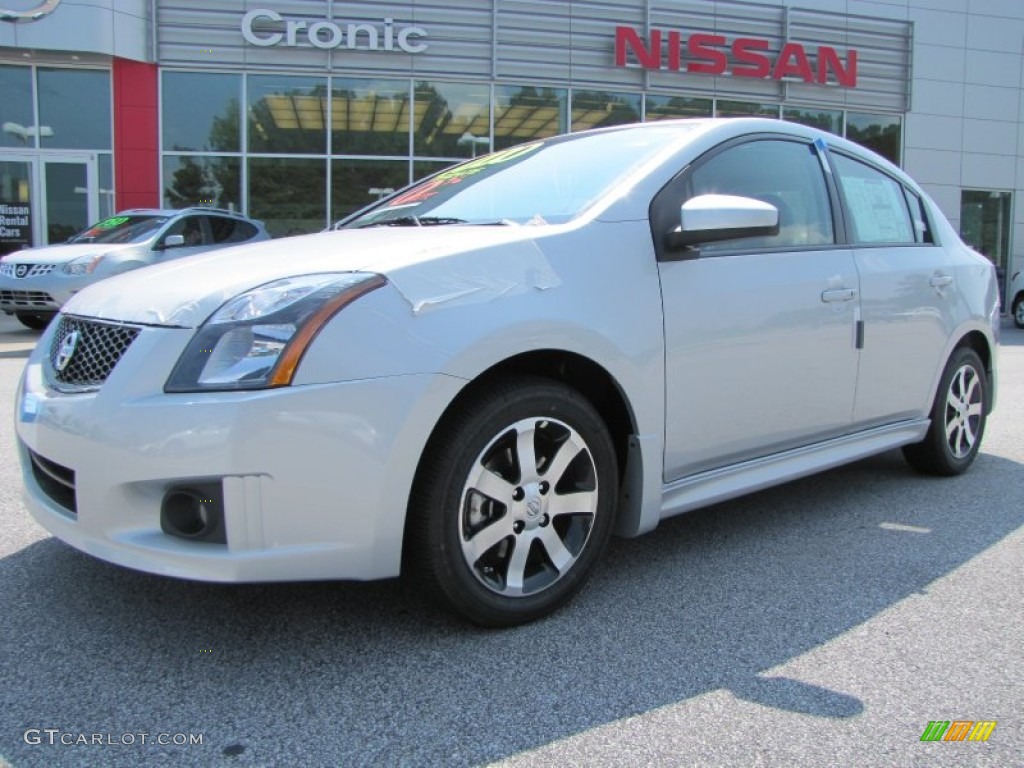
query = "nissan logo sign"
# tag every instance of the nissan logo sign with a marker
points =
(35, 13)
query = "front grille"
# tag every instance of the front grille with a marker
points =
(84, 352)
(55, 480)
(27, 300)
(25, 270)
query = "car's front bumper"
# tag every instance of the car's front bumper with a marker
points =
(315, 478)
(40, 293)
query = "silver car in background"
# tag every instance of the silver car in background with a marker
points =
(478, 380)
(35, 283)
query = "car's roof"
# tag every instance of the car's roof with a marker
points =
(169, 212)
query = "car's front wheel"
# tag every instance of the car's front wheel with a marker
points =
(958, 418)
(34, 320)
(1018, 311)
(514, 502)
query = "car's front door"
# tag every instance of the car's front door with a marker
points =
(760, 339)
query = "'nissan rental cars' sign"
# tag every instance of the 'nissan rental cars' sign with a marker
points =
(266, 28)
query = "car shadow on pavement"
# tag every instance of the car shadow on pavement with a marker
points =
(372, 675)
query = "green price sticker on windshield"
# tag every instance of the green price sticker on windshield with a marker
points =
(111, 223)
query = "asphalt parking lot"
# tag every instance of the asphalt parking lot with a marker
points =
(822, 623)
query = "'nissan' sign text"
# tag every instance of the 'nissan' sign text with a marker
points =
(710, 54)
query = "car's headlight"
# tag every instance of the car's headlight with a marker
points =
(257, 339)
(83, 265)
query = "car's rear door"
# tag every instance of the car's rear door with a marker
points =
(909, 295)
(760, 340)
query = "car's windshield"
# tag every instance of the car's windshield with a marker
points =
(543, 182)
(120, 229)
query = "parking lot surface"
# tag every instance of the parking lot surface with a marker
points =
(826, 622)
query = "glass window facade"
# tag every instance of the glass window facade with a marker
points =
(881, 133)
(201, 112)
(598, 109)
(523, 112)
(354, 138)
(370, 117)
(452, 119)
(16, 107)
(985, 218)
(202, 180)
(74, 108)
(287, 115)
(830, 120)
(288, 194)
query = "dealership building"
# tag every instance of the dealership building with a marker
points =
(297, 112)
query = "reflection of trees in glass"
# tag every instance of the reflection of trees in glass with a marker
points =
(203, 181)
(225, 129)
(597, 109)
(985, 222)
(288, 195)
(745, 109)
(664, 107)
(201, 111)
(448, 116)
(527, 113)
(352, 180)
(369, 121)
(287, 121)
(881, 133)
(825, 119)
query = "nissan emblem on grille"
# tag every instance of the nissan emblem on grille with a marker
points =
(21, 270)
(67, 349)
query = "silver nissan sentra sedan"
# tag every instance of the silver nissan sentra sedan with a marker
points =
(476, 381)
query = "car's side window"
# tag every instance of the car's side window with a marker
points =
(189, 227)
(226, 230)
(875, 203)
(786, 174)
(922, 227)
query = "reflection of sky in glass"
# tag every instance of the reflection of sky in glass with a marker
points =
(192, 101)
(16, 106)
(75, 105)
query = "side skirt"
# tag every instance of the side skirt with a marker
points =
(729, 482)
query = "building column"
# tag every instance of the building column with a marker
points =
(136, 141)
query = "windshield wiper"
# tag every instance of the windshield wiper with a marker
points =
(414, 221)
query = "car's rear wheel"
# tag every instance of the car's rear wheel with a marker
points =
(33, 320)
(514, 502)
(1018, 311)
(958, 418)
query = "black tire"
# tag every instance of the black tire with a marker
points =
(34, 321)
(526, 546)
(1018, 311)
(958, 418)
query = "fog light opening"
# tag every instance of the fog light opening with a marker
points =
(193, 513)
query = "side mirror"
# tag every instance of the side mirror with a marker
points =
(713, 218)
(174, 241)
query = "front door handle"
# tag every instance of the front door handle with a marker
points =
(940, 281)
(839, 294)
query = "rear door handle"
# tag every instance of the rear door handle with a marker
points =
(839, 294)
(940, 281)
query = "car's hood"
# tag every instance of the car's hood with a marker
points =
(62, 253)
(481, 261)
